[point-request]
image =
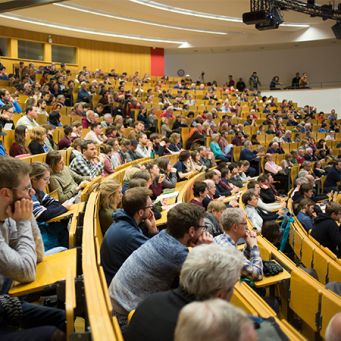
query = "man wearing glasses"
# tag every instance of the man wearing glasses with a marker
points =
(132, 226)
(21, 248)
(235, 227)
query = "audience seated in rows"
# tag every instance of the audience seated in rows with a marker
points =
(155, 266)
(201, 278)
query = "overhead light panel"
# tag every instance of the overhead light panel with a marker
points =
(134, 20)
(35, 21)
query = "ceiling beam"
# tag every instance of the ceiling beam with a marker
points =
(21, 4)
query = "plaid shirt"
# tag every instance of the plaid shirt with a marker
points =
(82, 166)
(253, 265)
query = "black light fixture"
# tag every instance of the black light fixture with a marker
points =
(337, 30)
(310, 3)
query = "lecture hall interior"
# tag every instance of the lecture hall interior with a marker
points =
(170, 170)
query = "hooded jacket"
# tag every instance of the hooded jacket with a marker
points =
(122, 238)
(327, 233)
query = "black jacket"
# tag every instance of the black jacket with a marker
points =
(36, 148)
(333, 177)
(267, 195)
(327, 233)
(155, 318)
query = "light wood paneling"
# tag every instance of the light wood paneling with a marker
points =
(91, 53)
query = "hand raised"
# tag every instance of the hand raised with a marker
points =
(205, 238)
(22, 210)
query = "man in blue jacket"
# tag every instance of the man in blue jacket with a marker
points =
(252, 157)
(333, 177)
(126, 233)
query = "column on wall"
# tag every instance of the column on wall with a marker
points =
(157, 62)
(13, 48)
(47, 52)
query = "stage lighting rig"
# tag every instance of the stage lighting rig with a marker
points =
(266, 14)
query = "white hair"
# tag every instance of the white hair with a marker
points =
(333, 331)
(89, 112)
(210, 183)
(302, 173)
(213, 319)
(232, 216)
(301, 180)
(210, 268)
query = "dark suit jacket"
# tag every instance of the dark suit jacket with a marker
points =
(155, 318)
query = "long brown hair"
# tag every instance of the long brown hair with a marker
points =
(19, 137)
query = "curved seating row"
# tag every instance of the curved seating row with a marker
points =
(304, 295)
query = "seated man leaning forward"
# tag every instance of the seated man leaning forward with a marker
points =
(234, 225)
(155, 266)
(21, 247)
(132, 226)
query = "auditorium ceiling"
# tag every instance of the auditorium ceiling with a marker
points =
(193, 24)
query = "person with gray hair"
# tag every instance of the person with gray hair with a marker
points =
(107, 120)
(234, 224)
(209, 271)
(213, 320)
(333, 331)
(299, 182)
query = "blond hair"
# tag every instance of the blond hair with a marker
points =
(37, 134)
(216, 205)
(106, 190)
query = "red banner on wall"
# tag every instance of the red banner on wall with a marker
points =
(157, 61)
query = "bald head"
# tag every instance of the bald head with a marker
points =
(333, 331)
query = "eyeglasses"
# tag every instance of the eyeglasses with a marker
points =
(27, 189)
(201, 227)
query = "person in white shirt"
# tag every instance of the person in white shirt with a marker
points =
(144, 148)
(29, 120)
(96, 134)
(250, 200)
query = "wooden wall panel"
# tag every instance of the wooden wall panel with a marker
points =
(93, 54)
